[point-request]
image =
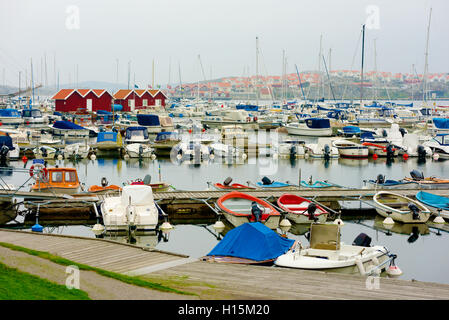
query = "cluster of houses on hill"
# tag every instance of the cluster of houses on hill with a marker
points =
(71, 100)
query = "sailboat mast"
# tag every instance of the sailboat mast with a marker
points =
(257, 69)
(363, 60)
(426, 66)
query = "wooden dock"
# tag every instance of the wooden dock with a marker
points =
(222, 280)
(105, 254)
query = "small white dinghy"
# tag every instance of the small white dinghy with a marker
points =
(139, 150)
(327, 253)
(400, 208)
(134, 209)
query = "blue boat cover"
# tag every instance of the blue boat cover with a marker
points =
(67, 125)
(254, 241)
(247, 107)
(56, 113)
(275, 184)
(104, 112)
(6, 141)
(441, 123)
(148, 120)
(130, 129)
(8, 112)
(433, 200)
(117, 107)
(107, 136)
(351, 129)
(167, 135)
(317, 123)
(366, 135)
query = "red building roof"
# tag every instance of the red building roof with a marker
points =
(63, 94)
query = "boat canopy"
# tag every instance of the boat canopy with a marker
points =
(67, 125)
(31, 113)
(433, 200)
(137, 195)
(107, 136)
(148, 120)
(6, 140)
(351, 129)
(252, 240)
(8, 112)
(317, 123)
(130, 131)
(441, 123)
(366, 135)
(247, 107)
(167, 135)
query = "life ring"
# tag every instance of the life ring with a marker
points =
(40, 168)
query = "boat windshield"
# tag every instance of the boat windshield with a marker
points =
(70, 176)
(56, 176)
(325, 236)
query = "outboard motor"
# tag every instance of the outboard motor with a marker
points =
(384, 133)
(44, 152)
(311, 208)
(205, 127)
(147, 180)
(402, 131)
(390, 151)
(362, 240)
(266, 181)
(421, 152)
(414, 235)
(104, 182)
(228, 181)
(293, 152)
(327, 152)
(4, 153)
(140, 151)
(416, 175)
(380, 179)
(255, 210)
(415, 210)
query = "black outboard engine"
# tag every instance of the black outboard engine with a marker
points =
(140, 151)
(384, 133)
(255, 210)
(147, 179)
(293, 152)
(402, 131)
(4, 153)
(416, 175)
(104, 182)
(390, 151)
(327, 152)
(44, 152)
(415, 210)
(228, 181)
(362, 240)
(266, 181)
(421, 152)
(380, 179)
(311, 208)
(205, 126)
(414, 235)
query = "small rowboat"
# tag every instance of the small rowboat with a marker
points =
(235, 186)
(106, 189)
(316, 184)
(274, 184)
(400, 208)
(236, 207)
(300, 210)
(436, 204)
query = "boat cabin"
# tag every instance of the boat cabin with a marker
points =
(57, 178)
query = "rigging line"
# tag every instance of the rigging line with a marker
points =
(352, 63)
(266, 73)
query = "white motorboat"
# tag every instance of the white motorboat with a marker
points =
(33, 117)
(222, 117)
(412, 147)
(192, 150)
(400, 208)
(10, 117)
(327, 253)
(439, 145)
(136, 135)
(139, 150)
(76, 150)
(46, 152)
(224, 150)
(134, 209)
(310, 127)
(349, 149)
(322, 149)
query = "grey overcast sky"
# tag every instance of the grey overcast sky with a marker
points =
(95, 33)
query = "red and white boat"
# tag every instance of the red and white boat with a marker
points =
(226, 185)
(297, 209)
(236, 207)
(380, 150)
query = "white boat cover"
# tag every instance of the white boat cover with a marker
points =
(140, 195)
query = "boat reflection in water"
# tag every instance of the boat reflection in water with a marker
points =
(414, 230)
(353, 162)
(139, 238)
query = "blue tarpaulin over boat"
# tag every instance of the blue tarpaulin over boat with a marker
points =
(67, 125)
(433, 200)
(247, 107)
(8, 112)
(107, 136)
(351, 129)
(254, 241)
(441, 123)
(317, 123)
(148, 120)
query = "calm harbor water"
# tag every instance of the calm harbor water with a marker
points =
(418, 250)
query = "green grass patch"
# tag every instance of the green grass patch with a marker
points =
(113, 275)
(17, 285)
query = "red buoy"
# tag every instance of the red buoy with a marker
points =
(375, 156)
(24, 159)
(1, 124)
(405, 156)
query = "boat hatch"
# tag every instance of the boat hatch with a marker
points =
(325, 236)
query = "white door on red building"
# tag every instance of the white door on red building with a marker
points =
(89, 104)
(158, 103)
(131, 104)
